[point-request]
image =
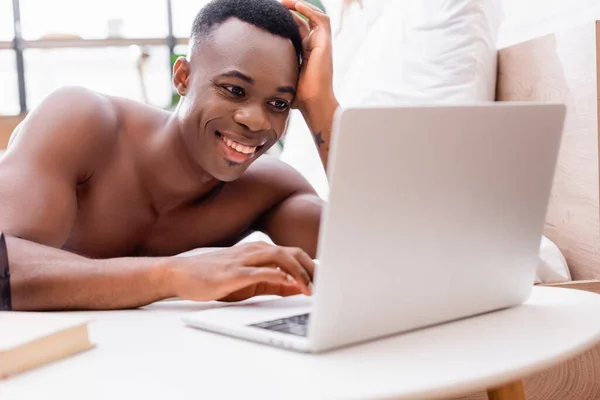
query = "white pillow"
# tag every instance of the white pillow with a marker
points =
(419, 51)
(552, 265)
(525, 20)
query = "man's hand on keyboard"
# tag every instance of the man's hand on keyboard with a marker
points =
(241, 272)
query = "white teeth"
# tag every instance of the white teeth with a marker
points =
(241, 148)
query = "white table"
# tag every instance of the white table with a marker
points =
(150, 354)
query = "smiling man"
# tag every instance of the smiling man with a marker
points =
(97, 193)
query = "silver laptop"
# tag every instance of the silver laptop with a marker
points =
(435, 213)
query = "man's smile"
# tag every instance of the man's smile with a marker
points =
(236, 151)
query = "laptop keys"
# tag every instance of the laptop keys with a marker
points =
(294, 325)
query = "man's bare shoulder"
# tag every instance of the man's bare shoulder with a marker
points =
(291, 210)
(74, 125)
(278, 177)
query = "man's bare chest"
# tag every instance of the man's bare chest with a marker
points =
(115, 220)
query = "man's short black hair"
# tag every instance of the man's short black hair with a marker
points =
(269, 15)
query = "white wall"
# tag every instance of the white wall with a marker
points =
(527, 19)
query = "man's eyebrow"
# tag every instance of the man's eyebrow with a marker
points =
(287, 89)
(238, 74)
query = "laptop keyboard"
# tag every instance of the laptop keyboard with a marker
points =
(295, 325)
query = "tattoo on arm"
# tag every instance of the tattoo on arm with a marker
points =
(319, 139)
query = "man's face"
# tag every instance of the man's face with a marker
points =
(239, 85)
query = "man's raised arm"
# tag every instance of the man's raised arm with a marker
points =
(315, 97)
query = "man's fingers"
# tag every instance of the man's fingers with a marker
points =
(308, 41)
(282, 257)
(312, 6)
(291, 4)
(276, 289)
(302, 25)
(314, 14)
(306, 261)
(271, 281)
(282, 290)
(246, 276)
(293, 266)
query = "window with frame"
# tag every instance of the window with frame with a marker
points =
(93, 19)
(184, 12)
(137, 73)
(6, 21)
(121, 48)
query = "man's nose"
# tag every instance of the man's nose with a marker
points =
(253, 117)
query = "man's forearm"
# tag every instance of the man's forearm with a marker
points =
(319, 118)
(45, 278)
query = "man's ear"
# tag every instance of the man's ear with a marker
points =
(181, 75)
